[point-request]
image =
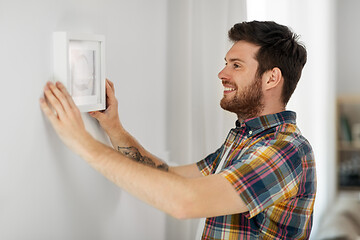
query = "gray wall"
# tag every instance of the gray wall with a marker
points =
(348, 47)
(47, 192)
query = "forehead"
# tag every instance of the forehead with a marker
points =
(243, 51)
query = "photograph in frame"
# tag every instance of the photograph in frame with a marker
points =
(82, 68)
(79, 63)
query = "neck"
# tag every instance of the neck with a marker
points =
(266, 111)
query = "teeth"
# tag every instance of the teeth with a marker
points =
(229, 89)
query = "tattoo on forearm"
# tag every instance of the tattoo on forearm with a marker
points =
(133, 153)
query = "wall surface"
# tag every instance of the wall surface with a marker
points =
(46, 191)
(348, 47)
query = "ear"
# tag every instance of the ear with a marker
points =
(273, 78)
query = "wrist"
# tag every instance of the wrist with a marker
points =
(112, 128)
(117, 132)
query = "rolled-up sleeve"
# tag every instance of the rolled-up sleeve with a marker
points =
(206, 166)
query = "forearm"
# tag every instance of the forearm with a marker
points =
(160, 189)
(176, 195)
(126, 144)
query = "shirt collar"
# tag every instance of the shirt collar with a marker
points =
(259, 124)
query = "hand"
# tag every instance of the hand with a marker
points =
(109, 119)
(65, 117)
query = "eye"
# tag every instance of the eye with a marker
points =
(236, 65)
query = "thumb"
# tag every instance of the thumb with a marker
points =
(97, 115)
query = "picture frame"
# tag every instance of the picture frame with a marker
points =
(79, 63)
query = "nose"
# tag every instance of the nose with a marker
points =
(222, 74)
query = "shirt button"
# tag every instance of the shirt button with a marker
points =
(250, 132)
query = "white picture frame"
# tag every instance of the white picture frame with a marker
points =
(79, 63)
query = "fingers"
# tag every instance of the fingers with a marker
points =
(66, 94)
(60, 99)
(53, 99)
(110, 91)
(111, 84)
(110, 95)
(60, 95)
(48, 112)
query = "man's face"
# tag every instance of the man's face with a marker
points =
(242, 90)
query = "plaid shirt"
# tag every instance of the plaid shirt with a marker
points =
(272, 168)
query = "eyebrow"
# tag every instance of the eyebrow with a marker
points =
(234, 59)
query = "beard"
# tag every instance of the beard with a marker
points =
(247, 103)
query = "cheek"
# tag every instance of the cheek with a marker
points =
(248, 81)
(241, 86)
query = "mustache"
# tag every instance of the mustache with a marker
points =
(224, 82)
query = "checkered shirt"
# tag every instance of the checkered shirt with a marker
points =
(272, 168)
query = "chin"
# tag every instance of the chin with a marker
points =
(226, 106)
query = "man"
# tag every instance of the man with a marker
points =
(260, 184)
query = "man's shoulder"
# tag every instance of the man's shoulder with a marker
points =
(290, 134)
(285, 140)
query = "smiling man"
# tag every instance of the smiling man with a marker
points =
(260, 184)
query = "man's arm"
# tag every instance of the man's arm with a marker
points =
(174, 194)
(121, 140)
(125, 143)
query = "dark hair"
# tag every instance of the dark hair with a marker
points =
(279, 47)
